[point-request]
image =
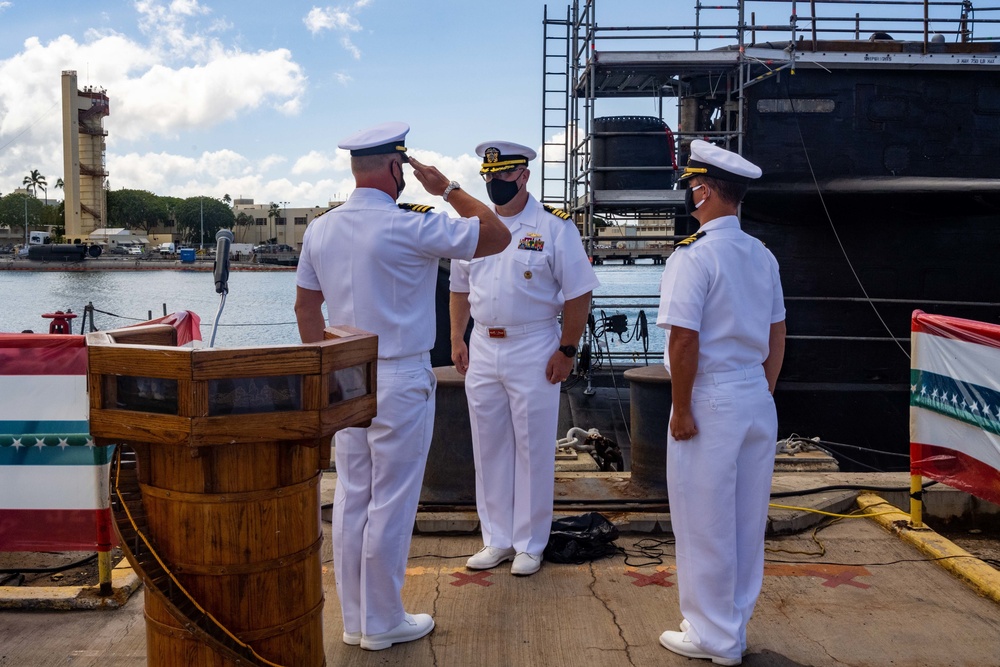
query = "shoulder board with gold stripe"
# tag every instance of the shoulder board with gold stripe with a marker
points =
(416, 208)
(689, 240)
(558, 212)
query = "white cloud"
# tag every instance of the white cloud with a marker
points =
(348, 45)
(330, 18)
(314, 162)
(173, 81)
(342, 19)
(5, 5)
(343, 78)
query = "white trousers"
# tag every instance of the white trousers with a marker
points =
(719, 484)
(380, 471)
(514, 413)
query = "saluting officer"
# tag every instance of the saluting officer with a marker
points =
(518, 358)
(375, 265)
(722, 308)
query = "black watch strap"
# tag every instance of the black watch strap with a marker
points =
(568, 350)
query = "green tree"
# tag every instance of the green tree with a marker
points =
(273, 212)
(227, 200)
(136, 209)
(188, 214)
(35, 180)
(243, 222)
(15, 208)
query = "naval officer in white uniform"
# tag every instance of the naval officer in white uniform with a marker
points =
(375, 265)
(519, 357)
(722, 308)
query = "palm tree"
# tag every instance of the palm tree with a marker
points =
(35, 180)
(59, 184)
(243, 220)
(275, 213)
(227, 200)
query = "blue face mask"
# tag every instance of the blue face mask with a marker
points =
(501, 192)
(689, 206)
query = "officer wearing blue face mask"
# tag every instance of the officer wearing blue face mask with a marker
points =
(517, 357)
(722, 308)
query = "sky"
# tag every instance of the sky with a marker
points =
(250, 97)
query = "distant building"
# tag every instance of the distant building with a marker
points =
(117, 236)
(287, 228)
(84, 170)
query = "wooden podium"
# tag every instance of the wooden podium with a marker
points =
(218, 508)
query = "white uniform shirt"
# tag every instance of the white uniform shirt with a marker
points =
(725, 286)
(376, 265)
(544, 266)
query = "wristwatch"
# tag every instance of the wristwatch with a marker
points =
(568, 350)
(447, 191)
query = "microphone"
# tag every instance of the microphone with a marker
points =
(223, 239)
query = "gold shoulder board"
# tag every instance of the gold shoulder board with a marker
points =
(558, 212)
(689, 240)
(416, 208)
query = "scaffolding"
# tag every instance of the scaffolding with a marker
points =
(722, 73)
(706, 67)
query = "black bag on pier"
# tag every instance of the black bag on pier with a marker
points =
(578, 539)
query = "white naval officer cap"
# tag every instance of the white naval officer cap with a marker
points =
(503, 156)
(714, 162)
(381, 139)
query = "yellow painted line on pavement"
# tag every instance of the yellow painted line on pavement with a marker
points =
(984, 579)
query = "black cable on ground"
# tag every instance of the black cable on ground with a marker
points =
(48, 570)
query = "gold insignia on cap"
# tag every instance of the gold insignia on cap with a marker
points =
(528, 274)
(491, 155)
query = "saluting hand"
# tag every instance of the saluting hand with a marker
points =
(433, 180)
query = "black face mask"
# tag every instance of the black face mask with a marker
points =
(689, 206)
(401, 183)
(501, 192)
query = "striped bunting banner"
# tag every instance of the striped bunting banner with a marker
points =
(54, 492)
(955, 403)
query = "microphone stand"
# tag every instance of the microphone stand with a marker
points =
(223, 239)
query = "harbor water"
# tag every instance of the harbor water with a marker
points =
(259, 306)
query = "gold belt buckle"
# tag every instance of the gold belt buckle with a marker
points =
(497, 332)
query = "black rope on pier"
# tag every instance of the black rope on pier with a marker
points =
(91, 309)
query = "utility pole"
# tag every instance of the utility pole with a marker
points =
(202, 238)
(26, 221)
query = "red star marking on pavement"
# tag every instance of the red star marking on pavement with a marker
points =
(655, 579)
(836, 579)
(478, 578)
(835, 575)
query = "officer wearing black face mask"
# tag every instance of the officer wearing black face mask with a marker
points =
(517, 357)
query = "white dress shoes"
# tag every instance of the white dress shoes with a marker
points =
(685, 626)
(525, 564)
(489, 557)
(413, 627)
(679, 643)
(352, 638)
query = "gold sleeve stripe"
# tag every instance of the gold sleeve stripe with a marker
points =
(558, 212)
